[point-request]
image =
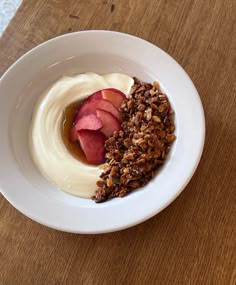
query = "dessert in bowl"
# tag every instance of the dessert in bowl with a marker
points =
(23, 184)
(121, 133)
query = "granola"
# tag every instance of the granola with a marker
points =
(135, 153)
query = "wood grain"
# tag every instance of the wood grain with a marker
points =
(193, 241)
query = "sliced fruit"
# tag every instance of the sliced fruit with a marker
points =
(93, 145)
(89, 122)
(109, 122)
(96, 95)
(90, 106)
(73, 134)
(114, 96)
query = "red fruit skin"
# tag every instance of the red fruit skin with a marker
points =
(93, 145)
(90, 106)
(88, 122)
(96, 95)
(73, 134)
(115, 96)
(109, 122)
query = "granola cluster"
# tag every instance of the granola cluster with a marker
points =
(134, 154)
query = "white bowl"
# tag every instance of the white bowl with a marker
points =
(102, 52)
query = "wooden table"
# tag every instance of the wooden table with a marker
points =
(193, 241)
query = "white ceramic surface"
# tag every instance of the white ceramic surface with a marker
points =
(102, 52)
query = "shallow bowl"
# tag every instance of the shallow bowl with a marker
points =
(102, 52)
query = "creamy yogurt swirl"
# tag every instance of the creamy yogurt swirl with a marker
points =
(45, 140)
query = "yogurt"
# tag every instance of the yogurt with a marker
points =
(46, 144)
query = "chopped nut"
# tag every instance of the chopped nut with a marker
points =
(114, 171)
(162, 108)
(148, 86)
(109, 182)
(127, 142)
(149, 114)
(141, 107)
(156, 119)
(138, 141)
(142, 88)
(162, 97)
(162, 134)
(100, 183)
(172, 128)
(156, 85)
(134, 88)
(125, 170)
(170, 138)
(130, 104)
(147, 137)
(152, 92)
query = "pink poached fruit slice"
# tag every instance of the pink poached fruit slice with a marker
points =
(109, 122)
(96, 120)
(115, 96)
(90, 106)
(92, 143)
(88, 122)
